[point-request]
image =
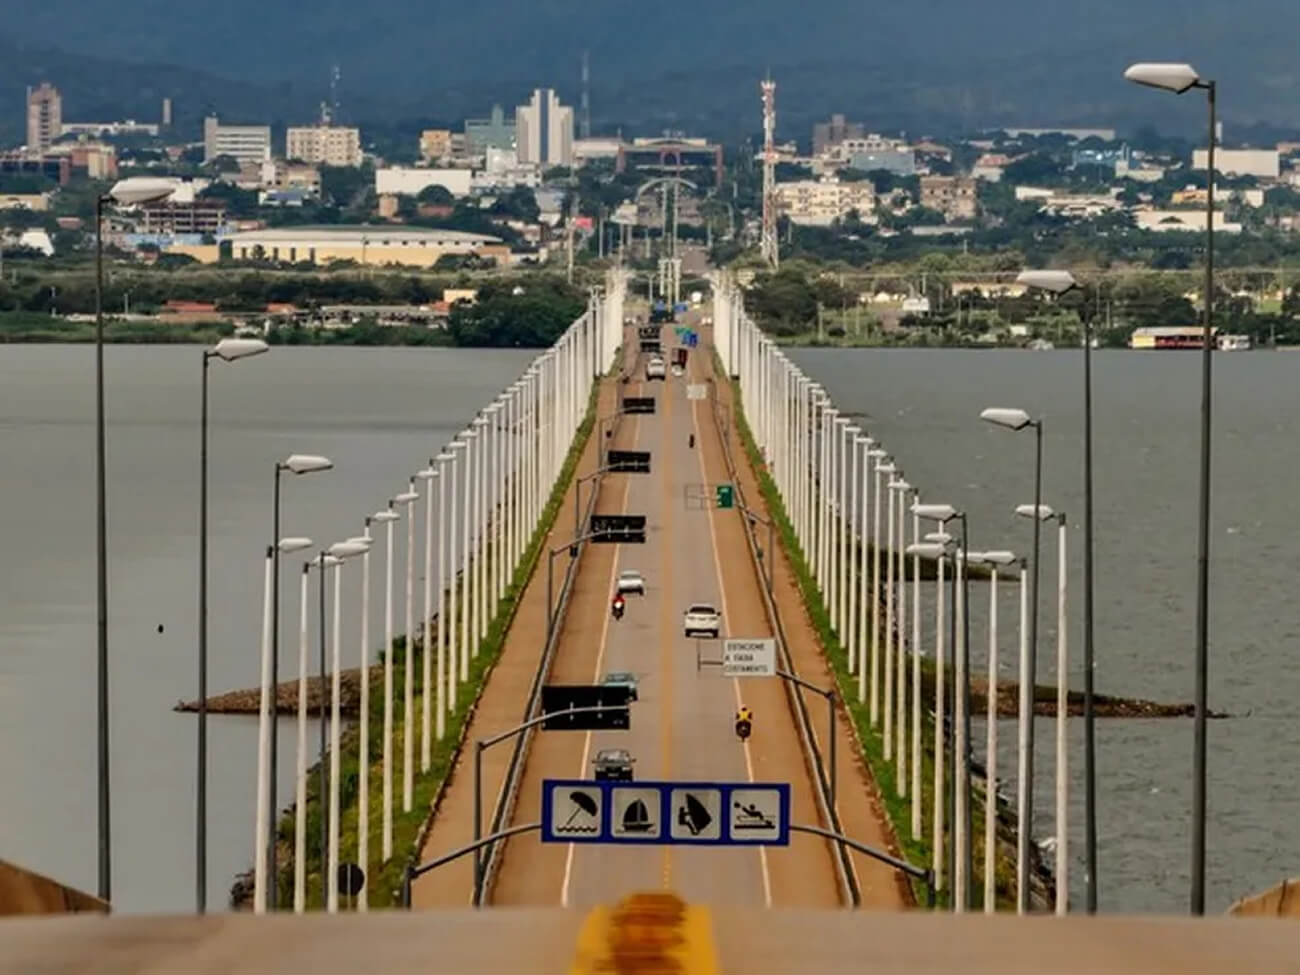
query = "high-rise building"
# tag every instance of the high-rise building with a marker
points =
(494, 132)
(244, 143)
(325, 145)
(44, 116)
(832, 133)
(544, 130)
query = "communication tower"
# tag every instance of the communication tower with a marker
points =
(769, 244)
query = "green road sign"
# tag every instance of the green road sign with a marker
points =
(726, 495)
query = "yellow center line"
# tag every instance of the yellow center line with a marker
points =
(604, 642)
(652, 932)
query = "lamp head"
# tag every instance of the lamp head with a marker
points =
(1011, 419)
(1045, 512)
(1057, 282)
(306, 463)
(346, 550)
(294, 544)
(232, 349)
(935, 512)
(141, 189)
(1177, 78)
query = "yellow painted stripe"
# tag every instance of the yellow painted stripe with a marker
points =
(646, 933)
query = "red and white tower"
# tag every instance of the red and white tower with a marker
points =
(768, 245)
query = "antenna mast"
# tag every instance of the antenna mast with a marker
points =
(769, 243)
(585, 121)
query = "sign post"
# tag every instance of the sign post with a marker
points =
(666, 813)
(749, 658)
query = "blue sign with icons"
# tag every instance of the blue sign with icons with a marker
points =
(666, 813)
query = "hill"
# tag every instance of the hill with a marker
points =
(937, 64)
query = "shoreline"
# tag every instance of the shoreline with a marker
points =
(248, 700)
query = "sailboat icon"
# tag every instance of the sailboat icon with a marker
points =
(636, 818)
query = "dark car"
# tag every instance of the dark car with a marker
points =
(614, 764)
(620, 678)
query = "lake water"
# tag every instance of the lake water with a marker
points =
(924, 406)
(379, 414)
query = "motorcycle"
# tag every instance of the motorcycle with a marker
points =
(690, 442)
(743, 728)
(617, 610)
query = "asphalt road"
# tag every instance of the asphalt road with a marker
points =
(682, 722)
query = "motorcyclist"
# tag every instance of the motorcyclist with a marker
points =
(744, 714)
(617, 606)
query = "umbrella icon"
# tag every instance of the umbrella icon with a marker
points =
(582, 803)
(693, 815)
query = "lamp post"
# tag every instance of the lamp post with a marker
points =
(1060, 282)
(900, 680)
(408, 498)
(1013, 419)
(227, 350)
(883, 465)
(917, 811)
(263, 871)
(1179, 78)
(445, 675)
(937, 550)
(342, 551)
(961, 865)
(296, 464)
(428, 475)
(993, 560)
(388, 517)
(321, 563)
(128, 192)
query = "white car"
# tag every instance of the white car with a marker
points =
(701, 619)
(654, 369)
(629, 580)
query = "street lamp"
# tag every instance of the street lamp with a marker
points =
(408, 498)
(321, 562)
(1179, 78)
(993, 560)
(962, 862)
(427, 475)
(263, 873)
(1060, 282)
(295, 464)
(228, 350)
(127, 192)
(936, 547)
(1013, 419)
(342, 551)
(387, 517)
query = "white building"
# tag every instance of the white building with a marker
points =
(1184, 220)
(820, 202)
(585, 150)
(325, 145)
(544, 130)
(1263, 163)
(245, 143)
(403, 181)
(503, 170)
(277, 174)
(100, 129)
(365, 244)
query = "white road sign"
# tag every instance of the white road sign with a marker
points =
(635, 813)
(697, 391)
(749, 658)
(755, 815)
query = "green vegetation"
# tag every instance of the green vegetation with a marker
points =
(385, 878)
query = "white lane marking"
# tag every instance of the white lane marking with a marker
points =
(726, 623)
(600, 658)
